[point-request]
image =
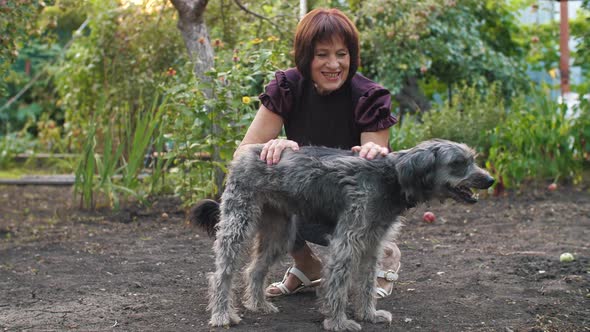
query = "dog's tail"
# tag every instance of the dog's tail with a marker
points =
(205, 214)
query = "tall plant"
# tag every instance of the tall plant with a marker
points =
(105, 170)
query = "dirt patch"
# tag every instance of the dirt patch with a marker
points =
(493, 266)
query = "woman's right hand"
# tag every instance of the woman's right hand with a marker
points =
(271, 152)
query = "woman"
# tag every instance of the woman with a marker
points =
(323, 101)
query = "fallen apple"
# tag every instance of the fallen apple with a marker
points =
(552, 187)
(429, 217)
(566, 257)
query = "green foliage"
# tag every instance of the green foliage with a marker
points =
(581, 131)
(38, 103)
(470, 119)
(538, 141)
(17, 25)
(116, 62)
(201, 126)
(443, 40)
(12, 144)
(580, 29)
(232, 26)
(407, 134)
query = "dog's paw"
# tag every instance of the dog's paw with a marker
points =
(341, 325)
(382, 316)
(268, 307)
(261, 306)
(224, 319)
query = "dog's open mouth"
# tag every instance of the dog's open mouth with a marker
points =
(463, 193)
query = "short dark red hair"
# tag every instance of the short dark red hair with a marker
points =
(323, 25)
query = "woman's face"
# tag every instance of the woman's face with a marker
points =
(330, 65)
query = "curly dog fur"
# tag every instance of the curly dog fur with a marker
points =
(361, 198)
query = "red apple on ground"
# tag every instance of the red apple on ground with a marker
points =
(552, 187)
(429, 217)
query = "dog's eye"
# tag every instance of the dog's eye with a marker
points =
(457, 162)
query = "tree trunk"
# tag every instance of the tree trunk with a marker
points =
(302, 8)
(194, 32)
(196, 38)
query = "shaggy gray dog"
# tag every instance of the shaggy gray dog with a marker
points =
(361, 198)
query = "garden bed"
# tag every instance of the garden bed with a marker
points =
(493, 266)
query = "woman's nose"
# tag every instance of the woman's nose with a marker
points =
(333, 62)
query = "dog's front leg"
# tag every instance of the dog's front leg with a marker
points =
(365, 304)
(334, 291)
(221, 305)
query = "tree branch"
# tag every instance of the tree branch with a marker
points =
(242, 7)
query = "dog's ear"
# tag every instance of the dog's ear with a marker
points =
(415, 171)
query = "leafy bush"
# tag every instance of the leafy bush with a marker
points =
(581, 131)
(538, 141)
(118, 62)
(12, 144)
(17, 25)
(469, 120)
(408, 133)
(36, 102)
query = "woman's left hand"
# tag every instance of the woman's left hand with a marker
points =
(370, 150)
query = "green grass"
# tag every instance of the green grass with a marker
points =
(15, 173)
(12, 173)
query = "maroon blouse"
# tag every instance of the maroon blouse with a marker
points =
(334, 120)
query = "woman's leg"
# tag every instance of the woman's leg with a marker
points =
(307, 262)
(390, 261)
(304, 258)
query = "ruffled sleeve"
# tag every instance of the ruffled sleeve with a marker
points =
(277, 95)
(373, 110)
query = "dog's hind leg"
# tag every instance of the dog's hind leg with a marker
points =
(271, 244)
(238, 216)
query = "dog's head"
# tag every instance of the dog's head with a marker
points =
(440, 169)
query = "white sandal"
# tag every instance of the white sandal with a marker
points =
(305, 283)
(389, 276)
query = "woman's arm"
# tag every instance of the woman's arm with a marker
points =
(265, 127)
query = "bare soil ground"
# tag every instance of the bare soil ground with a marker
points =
(493, 266)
